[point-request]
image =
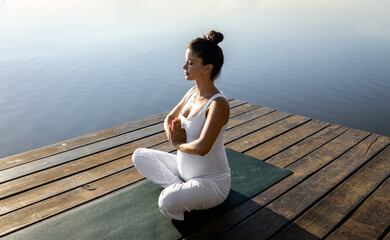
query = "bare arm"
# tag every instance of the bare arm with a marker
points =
(217, 117)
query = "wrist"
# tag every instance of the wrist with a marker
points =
(177, 145)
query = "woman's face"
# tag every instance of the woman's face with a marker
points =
(193, 67)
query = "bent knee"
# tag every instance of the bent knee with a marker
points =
(170, 205)
(138, 155)
(167, 199)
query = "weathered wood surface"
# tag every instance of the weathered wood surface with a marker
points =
(339, 189)
(370, 220)
(327, 213)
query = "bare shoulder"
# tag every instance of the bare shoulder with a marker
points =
(220, 107)
(221, 103)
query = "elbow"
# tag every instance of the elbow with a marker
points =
(202, 153)
(203, 150)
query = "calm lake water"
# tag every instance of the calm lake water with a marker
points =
(71, 67)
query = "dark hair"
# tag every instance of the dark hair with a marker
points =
(208, 50)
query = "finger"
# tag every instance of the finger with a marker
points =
(174, 125)
(178, 125)
(174, 122)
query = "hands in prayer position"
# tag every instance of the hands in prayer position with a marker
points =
(177, 134)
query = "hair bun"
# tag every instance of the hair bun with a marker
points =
(215, 37)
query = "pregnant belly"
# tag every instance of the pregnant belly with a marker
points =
(192, 166)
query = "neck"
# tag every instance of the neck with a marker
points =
(205, 88)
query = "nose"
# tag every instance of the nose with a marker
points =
(185, 66)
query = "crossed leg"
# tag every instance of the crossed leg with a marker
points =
(178, 196)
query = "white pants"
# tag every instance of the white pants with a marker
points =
(178, 195)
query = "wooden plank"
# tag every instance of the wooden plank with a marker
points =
(247, 123)
(244, 128)
(302, 168)
(38, 178)
(105, 172)
(245, 117)
(370, 220)
(166, 147)
(286, 208)
(255, 125)
(15, 202)
(235, 103)
(48, 162)
(256, 138)
(97, 146)
(246, 110)
(243, 109)
(59, 204)
(286, 140)
(68, 200)
(77, 142)
(87, 139)
(298, 151)
(326, 214)
(65, 184)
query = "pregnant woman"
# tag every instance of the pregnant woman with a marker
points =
(198, 177)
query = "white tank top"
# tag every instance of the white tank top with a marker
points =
(214, 165)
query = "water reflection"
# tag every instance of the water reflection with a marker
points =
(71, 67)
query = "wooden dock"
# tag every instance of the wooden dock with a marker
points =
(340, 188)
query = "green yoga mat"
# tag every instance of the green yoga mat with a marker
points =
(133, 213)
